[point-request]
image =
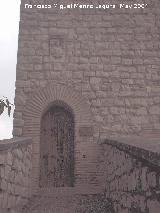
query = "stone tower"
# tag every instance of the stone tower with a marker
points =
(84, 74)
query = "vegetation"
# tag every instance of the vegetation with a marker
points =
(4, 103)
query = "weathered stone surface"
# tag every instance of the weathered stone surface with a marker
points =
(105, 64)
(114, 54)
(132, 175)
(86, 131)
(13, 155)
(69, 204)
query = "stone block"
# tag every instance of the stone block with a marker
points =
(144, 182)
(153, 206)
(38, 67)
(86, 131)
(2, 158)
(18, 122)
(151, 179)
(154, 110)
(9, 158)
(22, 75)
(5, 200)
(77, 75)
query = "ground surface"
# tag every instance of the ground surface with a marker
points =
(68, 204)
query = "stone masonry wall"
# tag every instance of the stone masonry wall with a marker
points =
(111, 57)
(132, 176)
(15, 168)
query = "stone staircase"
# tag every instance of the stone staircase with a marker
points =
(63, 202)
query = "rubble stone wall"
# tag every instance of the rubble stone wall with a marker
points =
(15, 170)
(132, 177)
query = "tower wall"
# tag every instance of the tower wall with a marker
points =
(111, 57)
(104, 63)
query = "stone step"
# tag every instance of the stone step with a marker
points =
(39, 204)
(68, 204)
(68, 191)
(9, 211)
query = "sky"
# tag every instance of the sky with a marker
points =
(9, 24)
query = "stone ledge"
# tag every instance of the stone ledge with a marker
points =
(13, 143)
(65, 191)
(147, 149)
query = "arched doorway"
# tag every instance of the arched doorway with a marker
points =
(57, 147)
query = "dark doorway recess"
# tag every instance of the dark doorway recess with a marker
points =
(57, 147)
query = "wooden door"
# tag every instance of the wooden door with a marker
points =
(57, 148)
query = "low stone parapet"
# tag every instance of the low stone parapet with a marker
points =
(132, 174)
(15, 172)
